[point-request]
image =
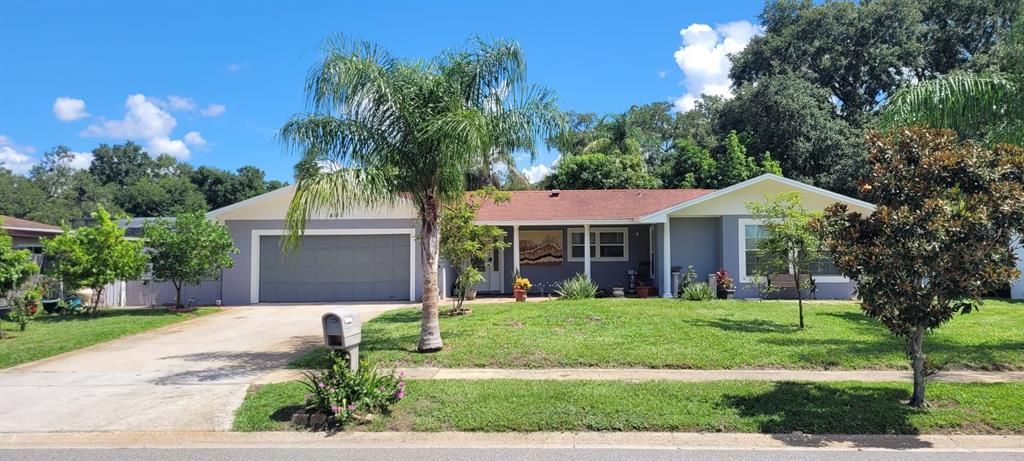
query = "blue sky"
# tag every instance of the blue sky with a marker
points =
(211, 82)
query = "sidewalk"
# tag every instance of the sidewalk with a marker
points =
(605, 440)
(644, 374)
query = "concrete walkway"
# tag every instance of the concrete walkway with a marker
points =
(606, 440)
(643, 374)
(189, 376)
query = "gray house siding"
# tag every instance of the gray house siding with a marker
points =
(605, 274)
(236, 281)
(731, 261)
(153, 293)
(696, 242)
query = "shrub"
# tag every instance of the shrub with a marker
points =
(348, 396)
(689, 278)
(577, 287)
(698, 292)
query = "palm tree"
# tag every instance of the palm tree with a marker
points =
(381, 129)
(987, 106)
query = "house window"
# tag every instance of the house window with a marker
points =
(752, 232)
(606, 244)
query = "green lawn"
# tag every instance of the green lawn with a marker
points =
(661, 333)
(730, 406)
(49, 335)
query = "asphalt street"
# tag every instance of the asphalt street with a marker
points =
(498, 454)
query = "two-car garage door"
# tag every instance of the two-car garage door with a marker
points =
(335, 268)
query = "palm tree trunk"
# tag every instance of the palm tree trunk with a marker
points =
(430, 237)
(917, 363)
(799, 299)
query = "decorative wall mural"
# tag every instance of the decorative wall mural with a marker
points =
(540, 247)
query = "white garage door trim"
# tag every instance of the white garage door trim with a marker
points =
(257, 234)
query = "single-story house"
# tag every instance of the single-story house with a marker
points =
(27, 234)
(372, 254)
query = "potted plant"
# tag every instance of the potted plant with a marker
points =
(520, 286)
(726, 287)
(32, 297)
(643, 290)
(618, 291)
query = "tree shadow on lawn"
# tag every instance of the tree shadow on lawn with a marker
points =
(107, 313)
(747, 326)
(830, 351)
(816, 408)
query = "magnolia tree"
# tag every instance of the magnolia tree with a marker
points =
(188, 250)
(96, 256)
(939, 238)
(464, 241)
(792, 243)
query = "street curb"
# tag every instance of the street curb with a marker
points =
(542, 440)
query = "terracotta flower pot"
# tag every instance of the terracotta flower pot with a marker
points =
(643, 292)
(520, 295)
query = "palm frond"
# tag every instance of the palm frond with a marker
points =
(986, 106)
(327, 190)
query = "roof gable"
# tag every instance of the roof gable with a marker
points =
(733, 199)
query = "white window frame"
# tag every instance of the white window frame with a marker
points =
(596, 242)
(744, 278)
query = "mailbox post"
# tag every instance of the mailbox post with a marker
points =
(343, 329)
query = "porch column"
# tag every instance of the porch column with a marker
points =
(666, 261)
(515, 248)
(586, 250)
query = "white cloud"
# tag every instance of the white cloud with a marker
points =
(536, 172)
(80, 160)
(662, 74)
(14, 157)
(235, 67)
(704, 58)
(69, 109)
(175, 103)
(213, 110)
(143, 121)
(163, 145)
(193, 138)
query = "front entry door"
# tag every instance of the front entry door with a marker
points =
(491, 269)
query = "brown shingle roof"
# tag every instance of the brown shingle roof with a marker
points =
(18, 226)
(576, 205)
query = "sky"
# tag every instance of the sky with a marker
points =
(211, 82)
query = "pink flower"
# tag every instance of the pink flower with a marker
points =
(401, 384)
(335, 409)
(400, 395)
(322, 385)
(351, 407)
(401, 374)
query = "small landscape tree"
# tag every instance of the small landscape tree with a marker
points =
(464, 241)
(792, 242)
(96, 256)
(939, 238)
(188, 250)
(16, 267)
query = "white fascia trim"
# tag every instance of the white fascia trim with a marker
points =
(597, 243)
(32, 229)
(742, 246)
(572, 222)
(257, 234)
(655, 217)
(213, 214)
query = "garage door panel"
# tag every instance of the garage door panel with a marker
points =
(335, 268)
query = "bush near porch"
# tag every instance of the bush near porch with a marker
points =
(671, 333)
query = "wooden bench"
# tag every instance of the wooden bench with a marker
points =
(782, 281)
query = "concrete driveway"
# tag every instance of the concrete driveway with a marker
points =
(186, 377)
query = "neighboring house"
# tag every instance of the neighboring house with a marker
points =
(372, 254)
(27, 234)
